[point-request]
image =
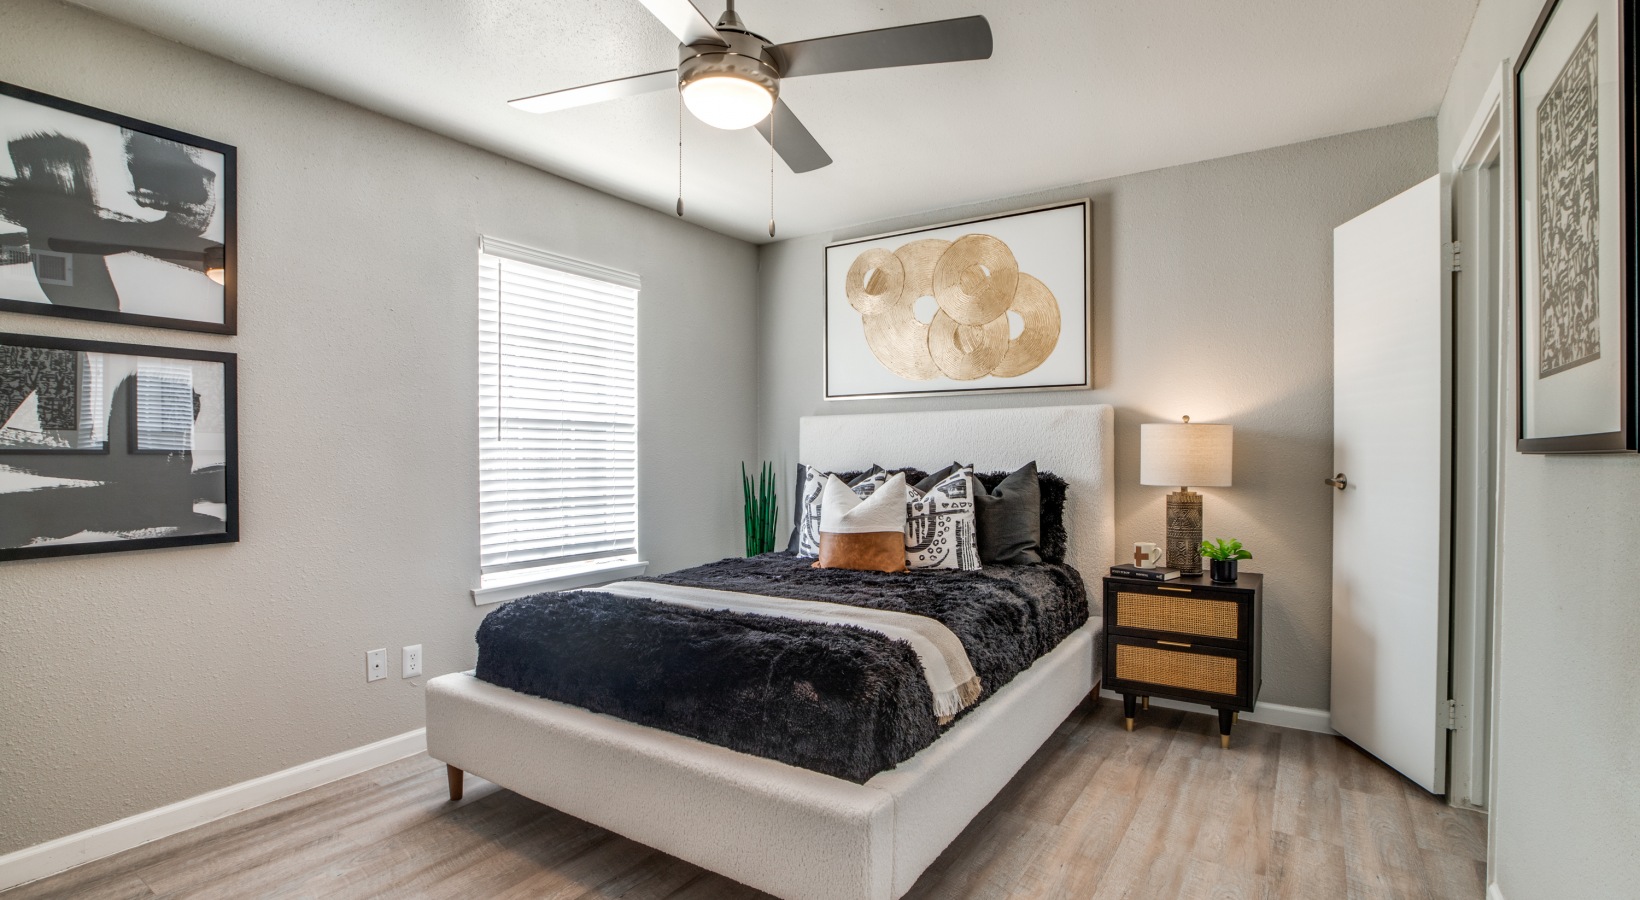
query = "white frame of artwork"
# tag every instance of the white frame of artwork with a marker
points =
(893, 385)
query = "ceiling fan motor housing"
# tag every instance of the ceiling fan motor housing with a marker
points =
(747, 56)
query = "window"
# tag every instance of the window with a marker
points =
(558, 414)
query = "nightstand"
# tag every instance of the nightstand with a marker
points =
(1186, 639)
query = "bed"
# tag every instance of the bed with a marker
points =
(796, 833)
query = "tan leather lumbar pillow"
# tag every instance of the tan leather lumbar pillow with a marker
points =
(866, 534)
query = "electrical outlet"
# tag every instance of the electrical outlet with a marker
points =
(375, 665)
(412, 661)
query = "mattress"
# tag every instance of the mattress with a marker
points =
(837, 700)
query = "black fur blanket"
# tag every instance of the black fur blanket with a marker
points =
(836, 699)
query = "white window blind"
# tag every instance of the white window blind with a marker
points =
(558, 411)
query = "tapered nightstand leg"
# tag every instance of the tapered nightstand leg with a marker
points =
(1146, 704)
(1227, 718)
(1235, 718)
(1130, 705)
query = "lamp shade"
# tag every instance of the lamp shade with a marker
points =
(1185, 455)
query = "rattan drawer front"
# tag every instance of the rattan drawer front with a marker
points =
(1191, 671)
(1179, 614)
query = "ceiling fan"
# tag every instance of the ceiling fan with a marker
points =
(730, 76)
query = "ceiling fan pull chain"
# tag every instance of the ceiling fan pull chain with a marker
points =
(680, 153)
(773, 115)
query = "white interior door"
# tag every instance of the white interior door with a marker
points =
(1391, 413)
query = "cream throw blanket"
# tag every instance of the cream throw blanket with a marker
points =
(944, 661)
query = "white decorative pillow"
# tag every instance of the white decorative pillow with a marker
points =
(814, 485)
(865, 534)
(845, 511)
(939, 525)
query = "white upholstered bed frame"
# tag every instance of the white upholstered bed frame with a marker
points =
(795, 833)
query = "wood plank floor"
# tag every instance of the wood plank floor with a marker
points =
(1099, 812)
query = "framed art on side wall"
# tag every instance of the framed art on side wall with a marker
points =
(988, 305)
(109, 218)
(1576, 219)
(108, 447)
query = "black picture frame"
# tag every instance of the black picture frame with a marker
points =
(126, 439)
(88, 246)
(1626, 437)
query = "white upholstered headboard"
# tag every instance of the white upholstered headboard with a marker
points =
(1077, 443)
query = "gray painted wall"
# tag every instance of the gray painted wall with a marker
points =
(1566, 756)
(1212, 293)
(128, 681)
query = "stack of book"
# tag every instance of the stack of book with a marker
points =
(1155, 573)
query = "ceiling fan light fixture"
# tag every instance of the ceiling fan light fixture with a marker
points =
(730, 85)
(729, 102)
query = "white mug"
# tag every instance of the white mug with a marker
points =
(1147, 555)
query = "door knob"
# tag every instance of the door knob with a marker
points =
(1339, 481)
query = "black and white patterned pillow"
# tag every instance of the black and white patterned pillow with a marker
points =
(939, 524)
(814, 487)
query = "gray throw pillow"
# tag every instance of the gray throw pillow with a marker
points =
(927, 484)
(1009, 517)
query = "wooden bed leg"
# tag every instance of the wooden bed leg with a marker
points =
(455, 776)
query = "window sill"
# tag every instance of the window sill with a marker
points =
(557, 578)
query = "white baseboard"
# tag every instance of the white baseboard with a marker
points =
(1300, 717)
(51, 857)
(1493, 892)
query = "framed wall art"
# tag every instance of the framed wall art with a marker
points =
(988, 305)
(108, 447)
(108, 218)
(1576, 271)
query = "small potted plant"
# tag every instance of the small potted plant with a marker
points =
(1224, 555)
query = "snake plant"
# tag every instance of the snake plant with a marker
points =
(761, 509)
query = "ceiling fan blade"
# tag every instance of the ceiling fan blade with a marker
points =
(792, 141)
(682, 19)
(567, 98)
(949, 40)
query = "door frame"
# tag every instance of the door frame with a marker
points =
(1481, 294)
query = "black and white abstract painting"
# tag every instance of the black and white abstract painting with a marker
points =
(1574, 139)
(114, 447)
(1568, 213)
(108, 218)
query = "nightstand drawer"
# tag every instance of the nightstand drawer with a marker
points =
(1179, 611)
(1211, 673)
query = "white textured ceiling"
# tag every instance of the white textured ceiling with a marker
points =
(1076, 90)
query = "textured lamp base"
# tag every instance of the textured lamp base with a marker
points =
(1184, 532)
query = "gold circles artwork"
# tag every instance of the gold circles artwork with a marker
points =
(976, 284)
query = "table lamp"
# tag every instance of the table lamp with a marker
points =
(1184, 455)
